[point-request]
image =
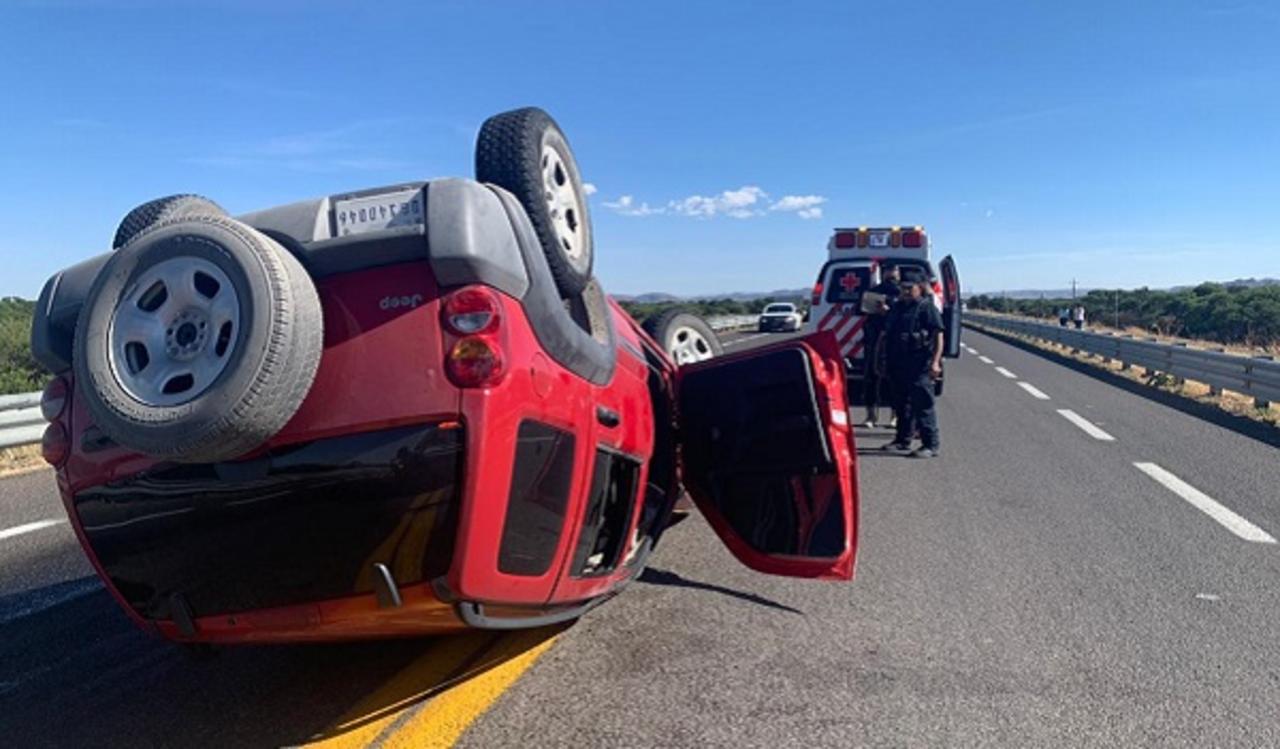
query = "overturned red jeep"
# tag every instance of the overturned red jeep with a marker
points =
(412, 409)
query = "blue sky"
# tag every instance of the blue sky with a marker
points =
(1122, 144)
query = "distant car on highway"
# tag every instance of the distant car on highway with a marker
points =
(780, 316)
(412, 409)
(855, 259)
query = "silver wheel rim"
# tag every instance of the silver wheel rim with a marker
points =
(174, 331)
(564, 205)
(688, 346)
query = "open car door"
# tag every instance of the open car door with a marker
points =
(950, 308)
(767, 455)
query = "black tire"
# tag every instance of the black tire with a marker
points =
(509, 154)
(670, 329)
(272, 351)
(161, 209)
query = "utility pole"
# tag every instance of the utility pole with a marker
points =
(1073, 289)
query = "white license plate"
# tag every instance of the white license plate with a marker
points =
(378, 212)
(879, 239)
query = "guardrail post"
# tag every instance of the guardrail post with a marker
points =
(1261, 403)
(1214, 390)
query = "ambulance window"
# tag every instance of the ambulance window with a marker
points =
(847, 284)
(912, 272)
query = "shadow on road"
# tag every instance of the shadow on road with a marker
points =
(655, 576)
(1257, 430)
(79, 673)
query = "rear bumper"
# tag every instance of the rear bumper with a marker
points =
(282, 546)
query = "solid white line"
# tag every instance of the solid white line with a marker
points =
(985, 360)
(1006, 373)
(1035, 391)
(18, 530)
(1088, 426)
(1206, 504)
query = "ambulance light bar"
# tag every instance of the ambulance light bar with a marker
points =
(877, 239)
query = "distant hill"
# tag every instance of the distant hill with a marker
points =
(1248, 283)
(1031, 293)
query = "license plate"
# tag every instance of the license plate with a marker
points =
(878, 239)
(378, 212)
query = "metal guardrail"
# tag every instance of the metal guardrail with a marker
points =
(1255, 376)
(732, 322)
(20, 420)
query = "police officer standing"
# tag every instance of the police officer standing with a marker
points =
(874, 377)
(913, 351)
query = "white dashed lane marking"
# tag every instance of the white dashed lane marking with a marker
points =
(1206, 504)
(1006, 373)
(18, 530)
(985, 360)
(1089, 427)
(1035, 391)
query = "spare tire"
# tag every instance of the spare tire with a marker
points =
(525, 152)
(173, 206)
(198, 340)
(686, 337)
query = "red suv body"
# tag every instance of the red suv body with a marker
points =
(425, 484)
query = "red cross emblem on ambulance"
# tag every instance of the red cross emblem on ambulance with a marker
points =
(849, 282)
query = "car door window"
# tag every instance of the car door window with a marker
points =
(766, 455)
(614, 482)
(540, 483)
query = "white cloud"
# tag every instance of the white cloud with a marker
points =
(627, 206)
(748, 201)
(798, 203)
(736, 203)
(588, 188)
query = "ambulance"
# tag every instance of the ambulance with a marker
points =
(856, 259)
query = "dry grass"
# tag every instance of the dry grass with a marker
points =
(21, 459)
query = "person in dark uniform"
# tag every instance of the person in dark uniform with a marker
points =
(874, 376)
(912, 343)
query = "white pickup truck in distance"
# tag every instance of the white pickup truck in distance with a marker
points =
(856, 262)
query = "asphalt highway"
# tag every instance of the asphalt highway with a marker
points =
(1083, 566)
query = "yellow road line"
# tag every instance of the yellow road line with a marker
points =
(441, 721)
(432, 701)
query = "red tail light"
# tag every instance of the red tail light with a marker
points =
(845, 239)
(55, 445)
(817, 294)
(54, 399)
(475, 361)
(912, 239)
(471, 310)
